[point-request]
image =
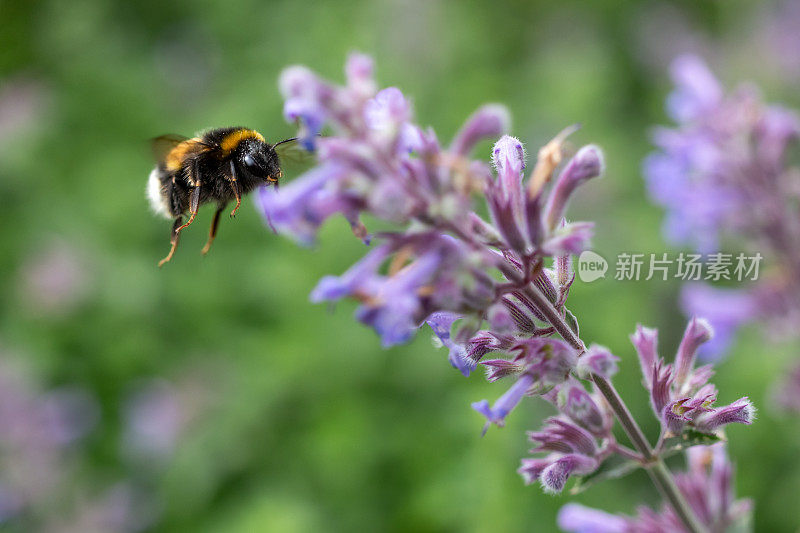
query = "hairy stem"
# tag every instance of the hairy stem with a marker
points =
(658, 471)
(661, 476)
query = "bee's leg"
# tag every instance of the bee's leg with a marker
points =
(194, 204)
(213, 231)
(237, 190)
(173, 240)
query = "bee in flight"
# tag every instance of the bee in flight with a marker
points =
(219, 165)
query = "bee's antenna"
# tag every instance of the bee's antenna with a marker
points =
(284, 141)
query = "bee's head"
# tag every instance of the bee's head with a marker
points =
(259, 160)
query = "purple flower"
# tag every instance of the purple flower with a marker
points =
(501, 368)
(505, 194)
(576, 518)
(678, 412)
(597, 360)
(541, 364)
(496, 414)
(549, 360)
(396, 304)
(378, 161)
(441, 323)
(739, 412)
(497, 286)
(300, 208)
(304, 93)
(697, 90)
(680, 394)
(723, 175)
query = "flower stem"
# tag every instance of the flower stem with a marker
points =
(660, 475)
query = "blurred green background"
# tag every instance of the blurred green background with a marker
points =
(261, 411)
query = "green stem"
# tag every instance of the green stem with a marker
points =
(655, 466)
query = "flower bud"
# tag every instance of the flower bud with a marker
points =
(597, 360)
(587, 164)
(387, 111)
(505, 195)
(697, 332)
(575, 402)
(501, 368)
(533, 218)
(564, 272)
(569, 239)
(531, 469)
(562, 436)
(508, 153)
(554, 477)
(487, 122)
(501, 319)
(549, 360)
(660, 386)
(645, 340)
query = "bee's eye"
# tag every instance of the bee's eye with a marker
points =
(249, 162)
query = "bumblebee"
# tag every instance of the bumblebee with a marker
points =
(217, 166)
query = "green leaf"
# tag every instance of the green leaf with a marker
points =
(690, 437)
(612, 468)
(571, 321)
(617, 466)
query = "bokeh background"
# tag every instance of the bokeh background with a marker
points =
(211, 395)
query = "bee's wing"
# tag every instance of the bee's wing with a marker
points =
(164, 144)
(289, 150)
